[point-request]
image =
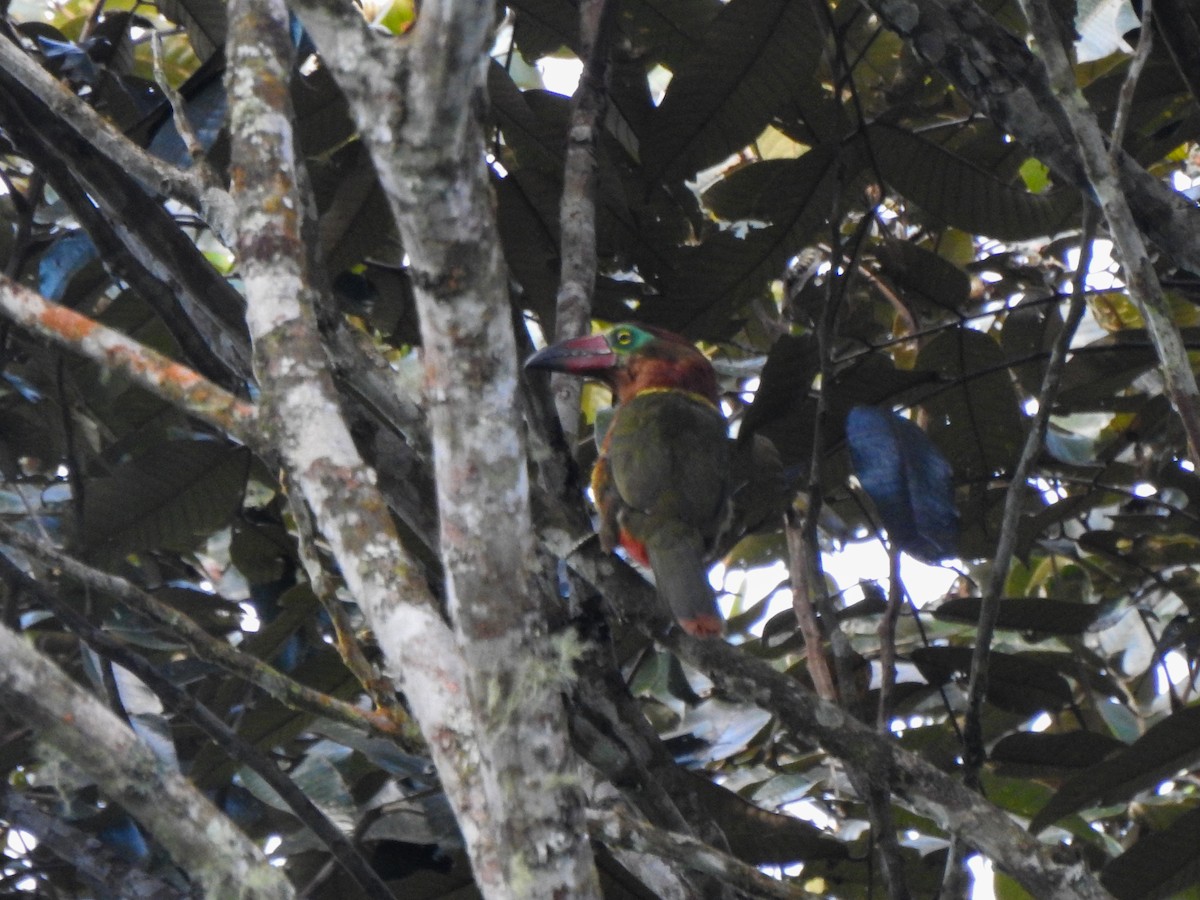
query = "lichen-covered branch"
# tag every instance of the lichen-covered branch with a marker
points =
(302, 418)
(114, 351)
(81, 728)
(264, 676)
(419, 122)
(233, 745)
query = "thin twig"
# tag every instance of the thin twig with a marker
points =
(269, 679)
(156, 175)
(1129, 85)
(377, 686)
(887, 642)
(183, 124)
(236, 747)
(577, 219)
(1144, 287)
(223, 862)
(802, 581)
(973, 741)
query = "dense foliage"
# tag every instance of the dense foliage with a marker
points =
(800, 187)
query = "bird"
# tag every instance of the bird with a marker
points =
(661, 482)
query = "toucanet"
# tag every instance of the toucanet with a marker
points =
(661, 482)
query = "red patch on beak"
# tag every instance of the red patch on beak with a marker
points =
(578, 356)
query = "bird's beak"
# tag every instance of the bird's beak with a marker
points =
(578, 356)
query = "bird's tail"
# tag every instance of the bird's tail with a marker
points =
(682, 581)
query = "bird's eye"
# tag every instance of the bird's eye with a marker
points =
(624, 338)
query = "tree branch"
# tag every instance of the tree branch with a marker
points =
(577, 217)
(147, 231)
(619, 829)
(300, 404)
(180, 701)
(917, 784)
(96, 865)
(262, 675)
(996, 74)
(155, 175)
(114, 351)
(420, 125)
(79, 727)
(1099, 163)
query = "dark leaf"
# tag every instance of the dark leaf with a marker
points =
(1035, 614)
(1043, 754)
(908, 479)
(172, 496)
(1171, 746)
(755, 56)
(1161, 864)
(1017, 683)
(954, 190)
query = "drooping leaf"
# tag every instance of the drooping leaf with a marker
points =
(755, 56)
(1169, 747)
(171, 497)
(1017, 683)
(908, 479)
(1161, 864)
(1042, 615)
(953, 189)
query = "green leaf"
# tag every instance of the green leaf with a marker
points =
(1016, 682)
(1036, 614)
(755, 59)
(953, 189)
(171, 497)
(975, 419)
(1036, 175)
(1169, 747)
(1161, 864)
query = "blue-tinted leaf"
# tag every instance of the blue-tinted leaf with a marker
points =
(69, 58)
(22, 387)
(908, 479)
(125, 839)
(62, 262)
(205, 112)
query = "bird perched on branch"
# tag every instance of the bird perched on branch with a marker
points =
(662, 481)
